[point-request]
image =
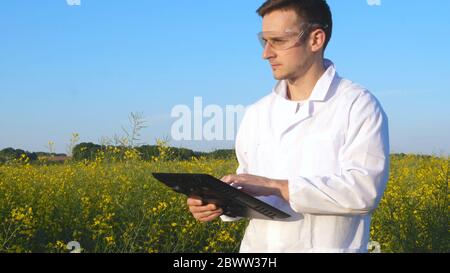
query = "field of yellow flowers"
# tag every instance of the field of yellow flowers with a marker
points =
(117, 206)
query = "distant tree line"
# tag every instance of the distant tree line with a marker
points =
(89, 151)
(11, 154)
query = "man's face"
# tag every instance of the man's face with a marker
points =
(285, 26)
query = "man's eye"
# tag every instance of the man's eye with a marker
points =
(278, 41)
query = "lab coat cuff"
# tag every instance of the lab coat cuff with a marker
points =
(225, 218)
(295, 186)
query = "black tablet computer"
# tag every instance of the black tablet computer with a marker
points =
(234, 202)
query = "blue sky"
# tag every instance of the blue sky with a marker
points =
(85, 68)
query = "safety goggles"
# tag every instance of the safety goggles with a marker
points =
(286, 39)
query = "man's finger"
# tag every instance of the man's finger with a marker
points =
(241, 178)
(193, 201)
(209, 218)
(206, 213)
(228, 178)
(196, 209)
(206, 217)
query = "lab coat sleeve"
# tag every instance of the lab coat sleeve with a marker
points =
(364, 164)
(241, 153)
(243, 139)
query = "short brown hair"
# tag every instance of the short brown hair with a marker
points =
(313, 11)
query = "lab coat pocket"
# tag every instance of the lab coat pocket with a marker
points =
(319, 155)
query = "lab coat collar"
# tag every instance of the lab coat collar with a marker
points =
(320, 90)
(323, 85)
(282, 122)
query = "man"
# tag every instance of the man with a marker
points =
(316, 147)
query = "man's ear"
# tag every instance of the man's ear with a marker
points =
(317, 40)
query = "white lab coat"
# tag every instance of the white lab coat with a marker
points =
(334, 152)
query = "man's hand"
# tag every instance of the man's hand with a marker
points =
(251, 184)
(258, 185)
(203, 212)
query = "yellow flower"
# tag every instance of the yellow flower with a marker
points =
(109, 240)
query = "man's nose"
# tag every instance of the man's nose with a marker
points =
(268, 52)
